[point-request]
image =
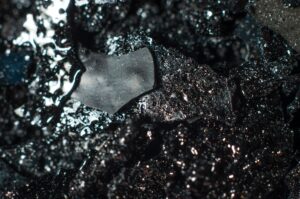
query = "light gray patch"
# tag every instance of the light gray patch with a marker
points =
(110, 82)
(105, 1)
(283, 20)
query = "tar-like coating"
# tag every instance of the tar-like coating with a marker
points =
(221, 122)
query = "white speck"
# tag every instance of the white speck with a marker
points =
(179, 162)
(48, 101)
(81, 2)
(208, 14)
(20, 111)
(246, 167)
(194, 151)
(82, 184)
(185, 97)
(47, 168)
(149, 134)
(122, 141)
(7, 51)
(213, 167)
(27, 58)
(193, 179)
(142, 105)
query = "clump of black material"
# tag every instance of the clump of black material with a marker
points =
(221, 122)
(96, 15)
(186, 91)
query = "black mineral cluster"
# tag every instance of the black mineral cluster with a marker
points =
(150, 99)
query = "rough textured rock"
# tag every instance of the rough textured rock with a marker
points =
(232, 131)
(95, 15)
(186, 90)
(293, 180)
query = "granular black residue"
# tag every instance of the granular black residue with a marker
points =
(190, 99)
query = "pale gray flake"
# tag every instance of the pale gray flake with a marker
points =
(110, 82)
